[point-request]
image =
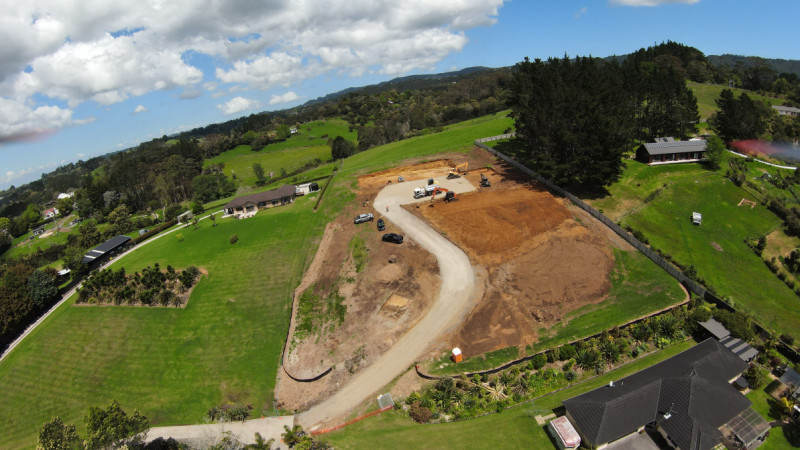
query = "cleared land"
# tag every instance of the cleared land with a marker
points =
(174, 364)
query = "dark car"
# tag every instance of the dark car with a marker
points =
(361, 218)
(392, 237)
(381, 225)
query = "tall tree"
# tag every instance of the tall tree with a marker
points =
(740, 118)
(342, 148)
(107, 427)
(573, 117)
(56, 435)
(261, 179)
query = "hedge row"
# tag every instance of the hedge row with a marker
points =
(154, 231)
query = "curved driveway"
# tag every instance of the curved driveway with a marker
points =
(452, 304)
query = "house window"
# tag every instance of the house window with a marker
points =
(275, 202)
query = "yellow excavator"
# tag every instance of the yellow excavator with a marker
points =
(457, 171)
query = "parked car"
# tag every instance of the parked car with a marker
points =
(381, 225)
(361, 218)
(392, 237)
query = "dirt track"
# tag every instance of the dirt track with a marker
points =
(452, 304)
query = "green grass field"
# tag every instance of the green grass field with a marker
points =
(512, 428)
(174, 364)
(308, 144)
(707, 94)
(716, 248)
(638, 288)
(762, 404)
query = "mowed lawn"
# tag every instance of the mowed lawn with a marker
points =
(173, 364)
(707, 94)
(305, 146)
(716, 247)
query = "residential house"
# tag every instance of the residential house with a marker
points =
(248, 205)
(306, 188)
(669, 151)
(787, 110)
(688, 399)
(50, 213)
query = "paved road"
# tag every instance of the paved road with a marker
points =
(452, 304)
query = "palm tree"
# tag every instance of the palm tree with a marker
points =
(293, 436)
(260, 444)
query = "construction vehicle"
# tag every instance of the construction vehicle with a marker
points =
(449, 195)
(457, 171)
(453, 175)
(425, 191)
(485, 181)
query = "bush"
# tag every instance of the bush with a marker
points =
(566, 352)
(197, 208)
(154, 231)
(234, 239)
(419, 413)
(570, 376)
(787, 338)
(539, 361)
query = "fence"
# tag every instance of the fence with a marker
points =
(690, 284)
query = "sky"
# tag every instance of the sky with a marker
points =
(81, 78)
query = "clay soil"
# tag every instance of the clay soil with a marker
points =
(383, 301)
(543, 259)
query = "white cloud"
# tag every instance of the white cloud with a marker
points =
(139, 109)
(285, 98)
(81, 155)
(10, 175)
(108, 52)
(580, 12)
(237, 105)
(651, 2)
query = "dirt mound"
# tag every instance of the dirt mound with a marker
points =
(567, 270)
(493, 225)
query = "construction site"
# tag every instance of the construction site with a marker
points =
(534, 257)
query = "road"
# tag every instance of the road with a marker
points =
(450, 307)
(206, 435)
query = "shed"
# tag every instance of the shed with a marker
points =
(697, 218)
(791, 379)
(457, 356)
(565, 435)
(105, 250)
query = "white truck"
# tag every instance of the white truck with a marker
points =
(426, 191)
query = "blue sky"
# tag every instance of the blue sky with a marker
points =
(79, 81)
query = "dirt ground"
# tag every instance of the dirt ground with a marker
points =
(383, 301)
(543, 257)
(539, 257)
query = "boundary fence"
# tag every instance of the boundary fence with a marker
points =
(351, 421)
(689, 283)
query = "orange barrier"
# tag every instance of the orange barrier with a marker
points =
(350, 422)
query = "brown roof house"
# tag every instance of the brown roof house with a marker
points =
(688, 399)
(249, 205)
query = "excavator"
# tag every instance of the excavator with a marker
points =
(449, 195)
(457, 171)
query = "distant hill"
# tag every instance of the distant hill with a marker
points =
(778, 65)
(410, 82)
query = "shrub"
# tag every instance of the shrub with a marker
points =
(568, 365)
(566, 352)
(234, 239)
(787, 338)
(539, 361)
(757, 376)
(570, 376)
(419, 413)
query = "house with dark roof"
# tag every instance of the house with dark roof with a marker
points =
(687, 398)
(740, 348)
(104, 251)
(669, 151)
(249, 205)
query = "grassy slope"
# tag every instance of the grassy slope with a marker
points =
(174, 364)
(290, 154)
(735, 271)
(707, 94)
(639, 288)
(513, 428)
